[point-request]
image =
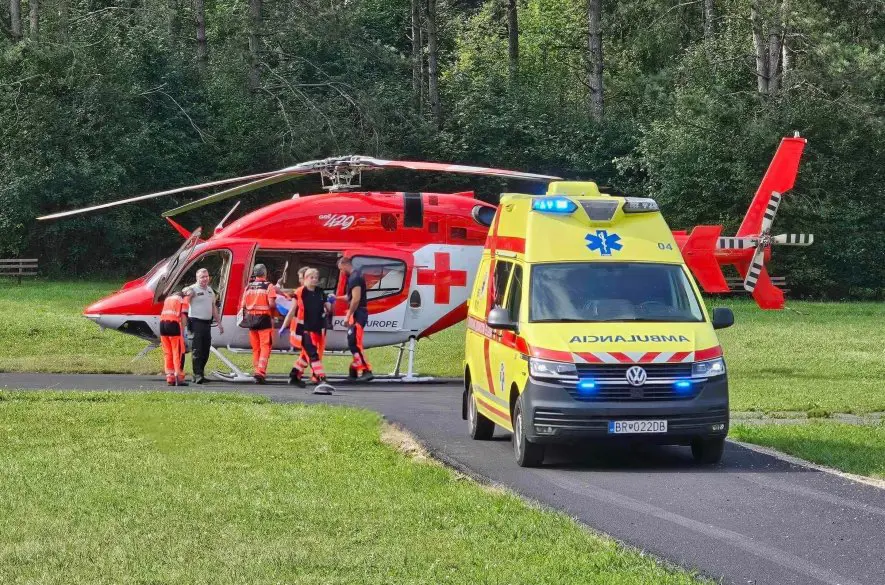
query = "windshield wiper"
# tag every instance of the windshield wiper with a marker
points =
(644, 320)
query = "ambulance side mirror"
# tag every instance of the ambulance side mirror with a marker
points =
(500, 319)
(722, 318)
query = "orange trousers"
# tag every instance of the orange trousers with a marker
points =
(173, 356)
(261, 341)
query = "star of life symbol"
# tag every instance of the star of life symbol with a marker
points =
(604, 242)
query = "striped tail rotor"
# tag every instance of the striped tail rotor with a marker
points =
(793, 239)
(756, 267)
(729, 243)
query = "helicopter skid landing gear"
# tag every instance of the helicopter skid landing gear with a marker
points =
(410, 376)
(235, 375)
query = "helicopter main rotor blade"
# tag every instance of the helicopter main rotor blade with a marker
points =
(450, 168)
(232, 192)
(155, 195)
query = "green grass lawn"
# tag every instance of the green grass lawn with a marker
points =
(818, 357)
(43, 330)
(853, 448)
(171, 488)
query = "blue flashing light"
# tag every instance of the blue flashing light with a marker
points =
(554, 205)
(683, 386)
(587, 386)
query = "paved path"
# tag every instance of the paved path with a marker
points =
(752, 519)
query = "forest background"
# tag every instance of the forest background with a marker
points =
(681, 100)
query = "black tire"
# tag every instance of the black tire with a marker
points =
(707, 451)
(527, 454)
(480, 428)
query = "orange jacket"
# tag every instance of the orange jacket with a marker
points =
(173, 308)
(259, 298)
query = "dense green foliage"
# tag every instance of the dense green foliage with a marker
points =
(112, 101)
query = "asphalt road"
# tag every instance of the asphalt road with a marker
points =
(752, 519)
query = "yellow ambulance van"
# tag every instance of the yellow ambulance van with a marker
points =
(585, 323)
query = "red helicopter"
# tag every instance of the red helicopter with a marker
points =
(419, 252)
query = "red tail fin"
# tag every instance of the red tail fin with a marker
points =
(780, 177)
(698, 253)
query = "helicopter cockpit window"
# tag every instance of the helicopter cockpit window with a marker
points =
(217, 262)
(384, 276)
(174, 266)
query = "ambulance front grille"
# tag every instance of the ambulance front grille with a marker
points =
(689, 422)
(611, 383)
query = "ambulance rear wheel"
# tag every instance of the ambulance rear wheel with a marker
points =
(707, 451)
(527, 454)
(481, 428)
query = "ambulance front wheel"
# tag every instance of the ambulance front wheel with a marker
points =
(481, 428)
(527, 454)
(708, 451)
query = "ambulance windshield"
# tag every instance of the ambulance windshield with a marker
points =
(612, 291)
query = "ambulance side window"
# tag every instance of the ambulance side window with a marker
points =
(514, 296)
(502, 274)
(478, 302)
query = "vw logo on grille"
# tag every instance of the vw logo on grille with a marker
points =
(636, 376)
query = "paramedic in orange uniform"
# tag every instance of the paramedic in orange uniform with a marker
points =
(310, 315)
(173, 322)
(259, 304)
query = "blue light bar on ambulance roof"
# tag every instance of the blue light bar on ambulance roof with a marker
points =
(639, 205)
(554, 205)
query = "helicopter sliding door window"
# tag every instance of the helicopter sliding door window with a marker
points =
(286, 263)
(384, 276)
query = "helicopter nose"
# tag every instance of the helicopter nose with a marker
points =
(109, 311)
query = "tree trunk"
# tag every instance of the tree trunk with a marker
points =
(774, 51)
(709, 18)
(417, 57)
(35, 19)
(64, 23)
(200, 21)
(254, 28)
(422, 70)
(15, 15)
(759, 45)
(785, 54)
(433, 64)
(594, 42)
(513, 37)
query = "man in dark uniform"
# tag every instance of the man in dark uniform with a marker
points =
(357, 317)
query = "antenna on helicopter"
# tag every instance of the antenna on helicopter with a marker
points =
(220, 225)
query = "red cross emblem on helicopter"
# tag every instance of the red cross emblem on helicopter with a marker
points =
(442, 278)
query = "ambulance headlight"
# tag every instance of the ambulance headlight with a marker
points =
(554, 205)
(550, 370)
(708, 369)
(640, 205)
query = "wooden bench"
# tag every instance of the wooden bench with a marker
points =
(737, 284)
(18, 267)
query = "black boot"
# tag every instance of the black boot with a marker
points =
(367, 376)
(295, 379)
(352, 373)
